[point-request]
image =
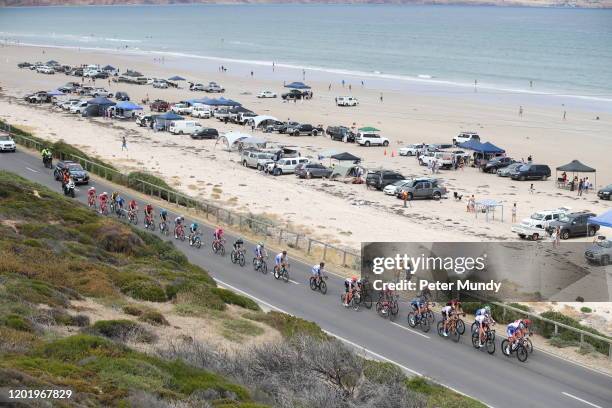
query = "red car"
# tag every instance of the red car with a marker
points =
(160, 106)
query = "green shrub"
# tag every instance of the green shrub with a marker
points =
(201, 296)
(153, 317)
(133, 310)
(76, 348)
(585, 309)
(548, 330)
(145, 289)
(122, 330)
(17, 322)
(288, 325)
(382, 372)
(233, 298)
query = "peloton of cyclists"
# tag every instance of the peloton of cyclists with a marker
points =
(484, 319)
(452, 308)
(281, 260)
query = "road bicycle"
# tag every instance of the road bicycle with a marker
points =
(387, 307)
(195, 240)
(452, 328)
(365, 295)
(149, 223)
(237, 257)
(318, 283)
(489, 341)
(260, 265)
(103, 209)
(132, 217)
(217, 247)
(121, 213)
(91, 201)
(355, 302)
(163, 228)
(282, 273)
(519, 347)
(179, 232)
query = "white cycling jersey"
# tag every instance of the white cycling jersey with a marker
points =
(481, 318)
(447, 309)
(316, 270)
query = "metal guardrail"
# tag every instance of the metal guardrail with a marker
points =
(245, 223)
(269, 231)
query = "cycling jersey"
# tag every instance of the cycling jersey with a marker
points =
(349, 284)
(481, 318)
(481, 312)
(316, 270)
(91, 193)
(120, 201)
(133, 205)
(103, 198)
(193, 228)
(218, 234)
(163, 215)
(238, 244)
(512, 328)
(259, 251)
(417, 302)
(446, 310)
(149, 209)
(280, 258)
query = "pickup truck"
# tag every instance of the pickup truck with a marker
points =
(159, 106)
(255, 159)
(534, 227)
(285, 166)
(213, 87)
(443, 159)
(340, 133)
(302, 129)
(600, 252)
(181, 109)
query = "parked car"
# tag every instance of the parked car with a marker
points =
(184, 127)
(78, 174)
(465, 137)
(79, 107)
(66, 105)
(24, 65)
(497, 163)
(75, 72)
(144, 120)
(160, 84)
(285, 165)
(267, 94)
(379, 179)
(507, 171)
(101, 92)
(159, 105)
(197, 87)
(301, 129)
(7, 144)
(340, 133)
(312, 170)
(411, 149)
(346, 101)
(371, 139)
(600, 252)
(574, 225)
(213, 87)
(122, 96)
(293, 94)
(605, 193)
(534, 227)
(256, 159)
(392, 189)
(181, 109)
(205, 133)
(222, 114)
(38, 97)
(423, 188)
(201, 111)
(443, 159)
(86, 90)
(45, 70)
(531, 172)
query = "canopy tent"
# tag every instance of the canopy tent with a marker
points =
(101, 101)
(221, 102)
(176, 78)
(605, 219)
(52, 62)
(297, 85)
(346, 157)
(109, 68)
(472, 144)
(162, 121)
(346, 170)
(98, 106)
(262, 119)
(55, 92)
(327, 153)
(575, 166)
(230, 138)
(368, 129)
(127, 105)
(251, 141)
(489, 147)
(488, 206)
(239, 109)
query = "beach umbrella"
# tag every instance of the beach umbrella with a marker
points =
(369, 129)
(176, 78)
(55, 92)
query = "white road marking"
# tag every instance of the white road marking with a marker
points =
(370, 352)
(580, 399)
(32, 170)
(410, 330)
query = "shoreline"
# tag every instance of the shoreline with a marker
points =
(375, 80)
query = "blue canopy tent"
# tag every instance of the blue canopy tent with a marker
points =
(297, 85)
(176, 78)
(55, 92)
(490, 148)
(127, 105)
(472, 144)
(605, 219)
(163, 121)
(228, 102)
(483, 151)
(98, 106)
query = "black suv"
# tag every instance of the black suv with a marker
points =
(78, 174)
(531, 172)
(497, 163)
(574, 225)
(122, 96)
(605, 193)
(302, 129)
(205, 133)
(382, 178)
(293, 94)
(340, 132)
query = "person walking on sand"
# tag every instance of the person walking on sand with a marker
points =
(123, 144)
(329, 87)
(580, 187)
(521, 111)
(381, 97)
(553, 237)
(531, 189)
(251, 74)
(558, 237)
(564, 114)
(514, 213)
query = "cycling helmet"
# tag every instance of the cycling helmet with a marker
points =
(521, 325)
(164, 211)
(354, 279)
(261, 244)
(285, 252)
(105, 193)
(92, 188)
(322, 264)
(527, 322)
(195, 225)
(487, 308)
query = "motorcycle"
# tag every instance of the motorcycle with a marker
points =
(48, 162)
(69, 188)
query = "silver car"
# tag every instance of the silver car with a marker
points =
(508, 170)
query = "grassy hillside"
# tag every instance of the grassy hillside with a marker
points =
(56, 255)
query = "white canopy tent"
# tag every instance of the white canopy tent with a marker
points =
(257, 120)
(231, 138)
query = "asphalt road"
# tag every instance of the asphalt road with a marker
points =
(542, 381)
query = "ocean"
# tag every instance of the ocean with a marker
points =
(527, 50)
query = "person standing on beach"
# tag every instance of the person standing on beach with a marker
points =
(350, 88)
(251, 74)
(564, 114)
(580, 187)
(329, 87)
(123, 144)
(531, 189)
(521, 111)
(381, 97)
(343, 83)
(475, 84)
(514, 213)
(303, 75)
(273, 66)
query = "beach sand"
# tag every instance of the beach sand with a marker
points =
(337, 213)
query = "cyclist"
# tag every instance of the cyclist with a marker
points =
(103, 198)
(193, 230)
(163, 215)
(238, 244)
(132, 207)
(280, 260)
(148, 211)
(178, 225)
(91, 196)
(317, 271)
(218, 235)
(452, 308)
(46, 155)
(260, 251)
(119, 201)
(418, 304)
(483, 318)
(65, 177)
(114, 196)
(350, 285)
(514, 331)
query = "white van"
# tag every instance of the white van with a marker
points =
(201, 111)
(346, 101)
(186, 127)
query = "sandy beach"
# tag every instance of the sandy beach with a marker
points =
(332, 211)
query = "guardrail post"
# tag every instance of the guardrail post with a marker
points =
(309, 245)
(280, 237)
(556, 330)
(297, 239)
(343, 258)
(324, 250)
(581, 339)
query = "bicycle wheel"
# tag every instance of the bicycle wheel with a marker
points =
(474, 328)
(276, 274)
(475, 339)
(135, 219)
(411, 319)
(379, 309)
(323, 287)
(182, 236)
(367, 301)
(430, 317)
(356, 301)
(286, 275)
(504, 348)
(528, 345)
(264, 267)
(313, 283)
(425, 325)
(490, 346)
(395, 308)
(460, 327)
(241, 260)
(221, 249)
(197, 242)
(455, 335)
(521, 353)
(233, 256)
(440, 328)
